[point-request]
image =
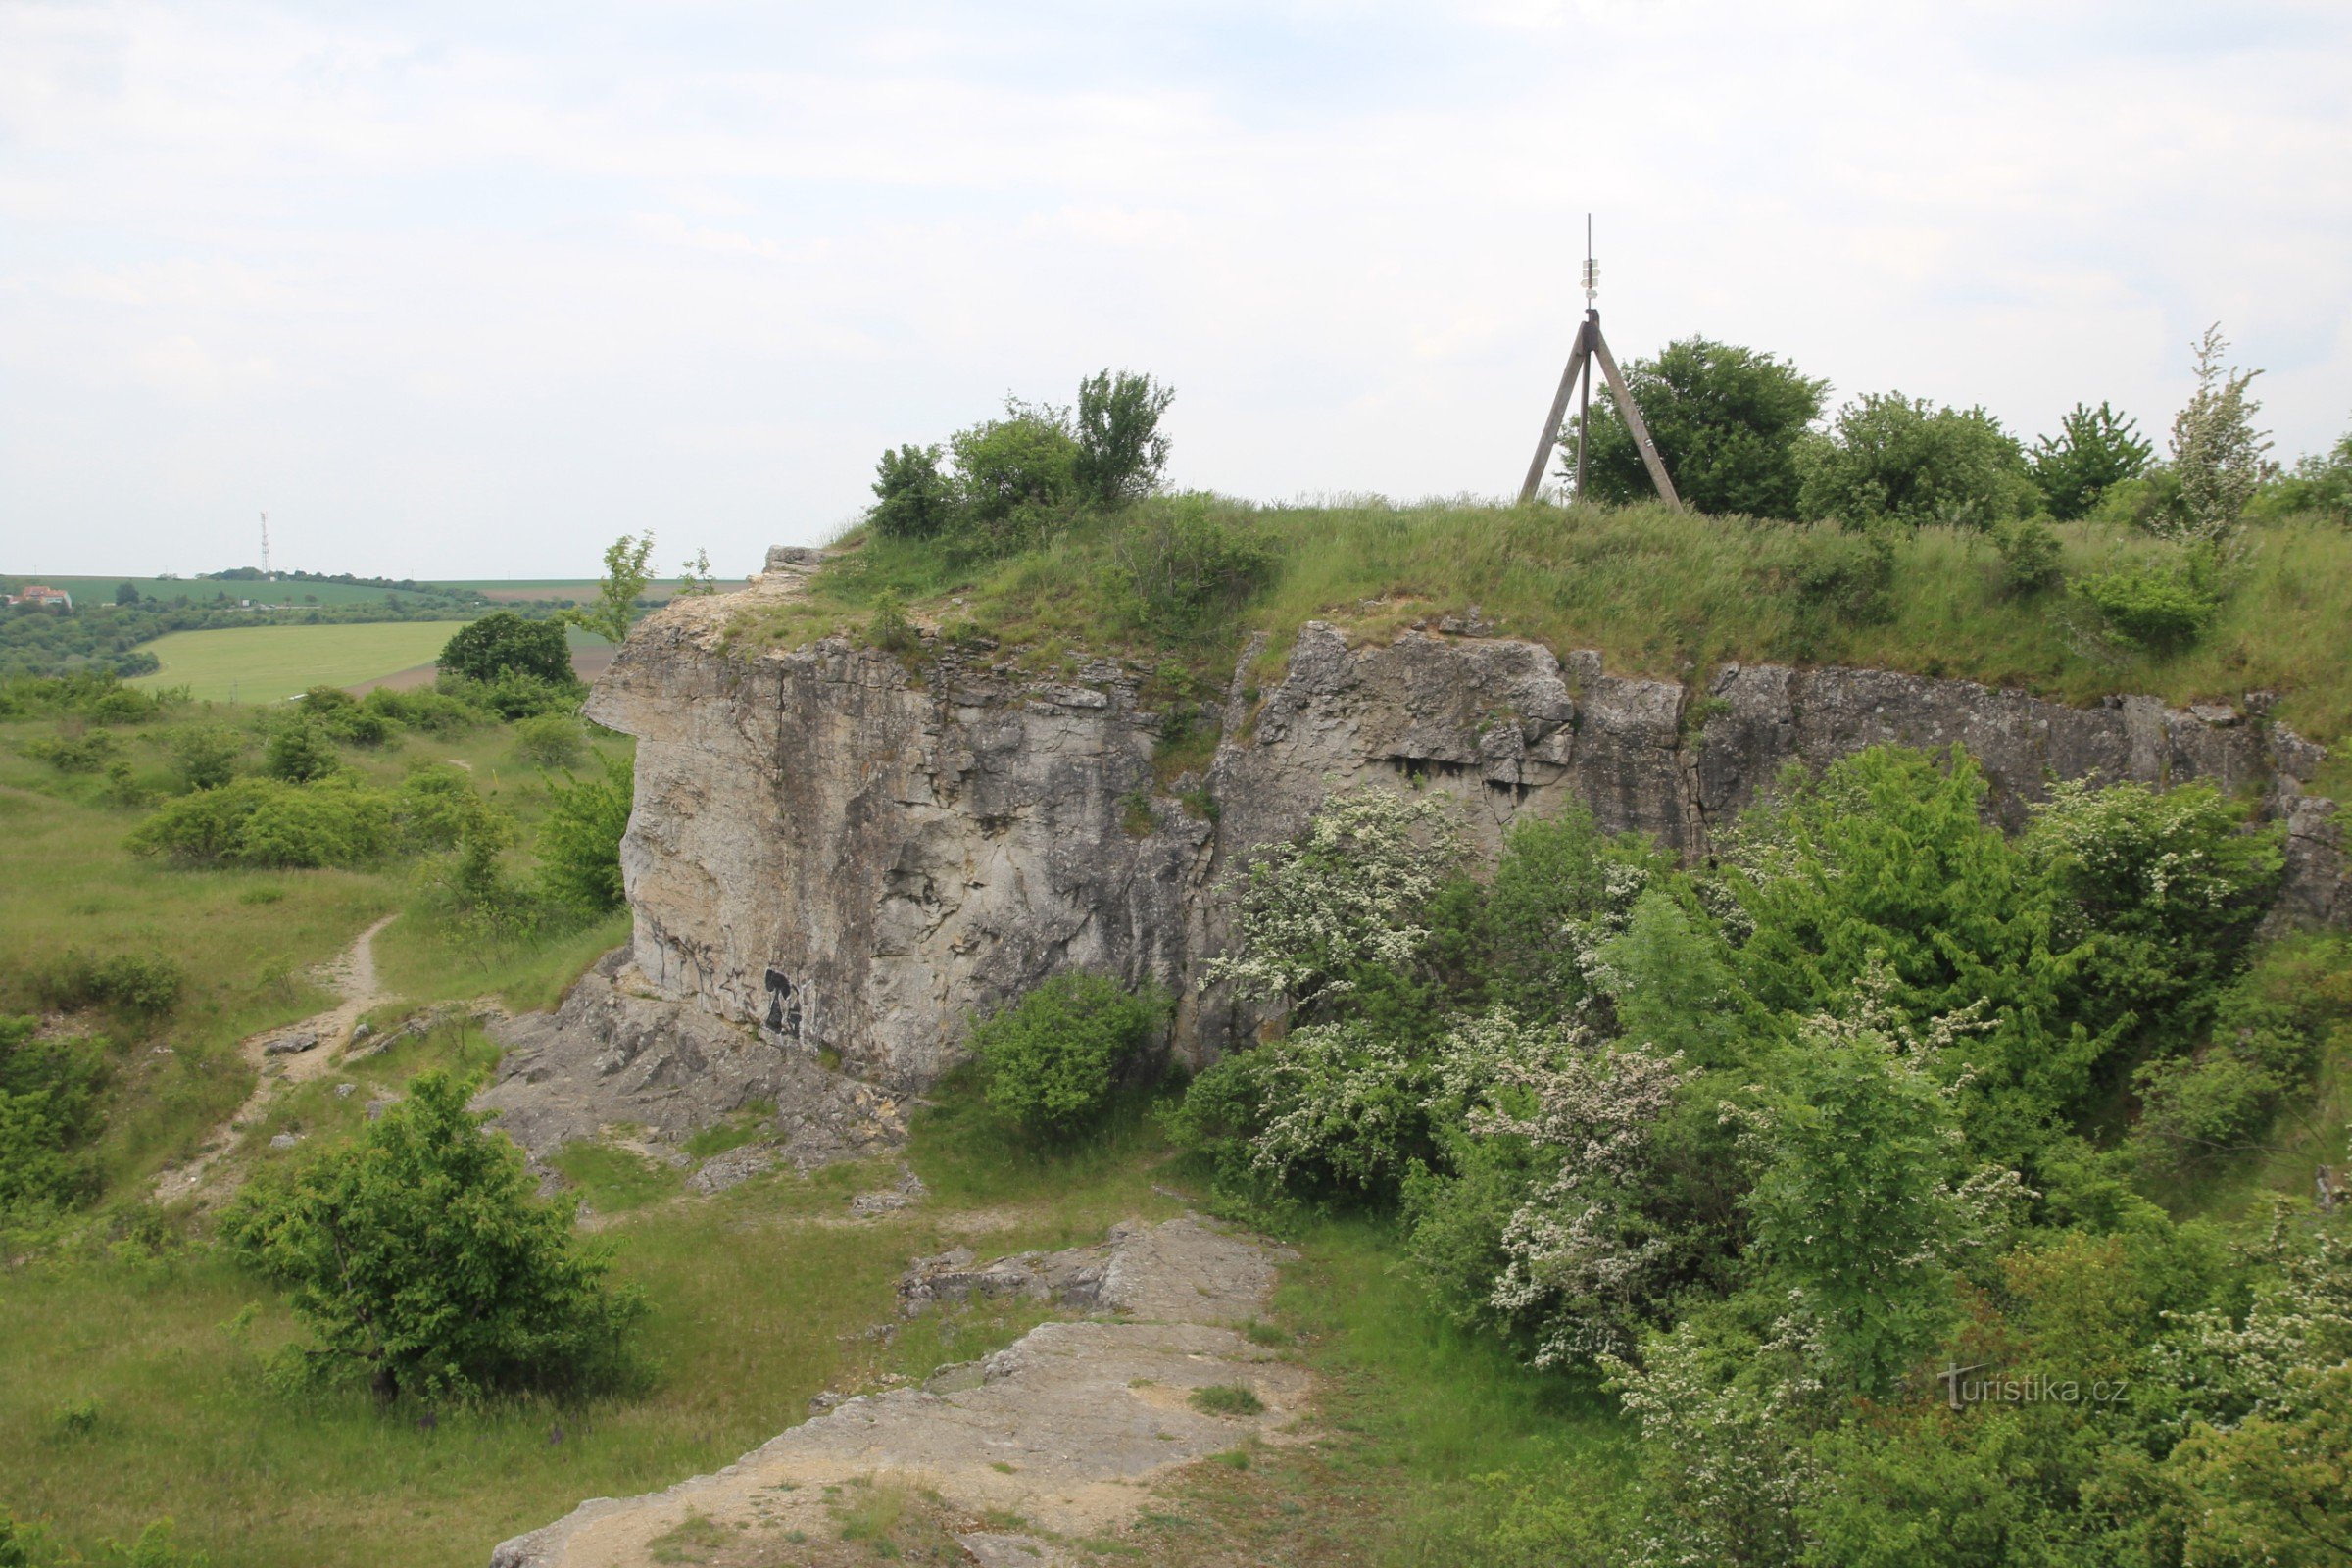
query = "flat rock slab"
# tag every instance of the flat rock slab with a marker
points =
(1065, 1428)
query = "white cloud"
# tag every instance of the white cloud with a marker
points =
(467, 291)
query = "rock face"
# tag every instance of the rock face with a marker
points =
(844, 856)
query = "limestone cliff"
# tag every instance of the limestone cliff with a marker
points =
(851, 856)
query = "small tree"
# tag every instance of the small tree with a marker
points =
(913, 499)
(420, 1258)
(299, 752)
(503, 641)
(1052, 1060)
(626, 574)
(2216, 452)
(1184, 568)
(2093, 449)
(1727, 421)
(1020, 475)
(1121, 449)
(126, 594)
(694, 578)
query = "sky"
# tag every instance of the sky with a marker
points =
(466, 290)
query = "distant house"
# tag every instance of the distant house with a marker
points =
(36, 594)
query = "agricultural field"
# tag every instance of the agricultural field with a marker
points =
(529, 590)
(267, 664)
(87, 590)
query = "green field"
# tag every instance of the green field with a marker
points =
(203, 590)
(524, 589)
(267, 664)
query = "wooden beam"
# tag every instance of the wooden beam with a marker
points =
(1632, 421)
(1586, 337)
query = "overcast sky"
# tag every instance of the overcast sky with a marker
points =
(468, 289)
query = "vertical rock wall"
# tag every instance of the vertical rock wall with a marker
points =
(853, 856)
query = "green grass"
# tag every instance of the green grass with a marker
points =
(268, 664)
(617, 1180)
(1659, 593)
(205, 590)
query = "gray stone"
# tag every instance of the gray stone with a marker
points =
(842, 860)
(284, 1141)
(908, 1188)
(295, 1044)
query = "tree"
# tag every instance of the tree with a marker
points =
(579, 839)
(1053, 1058)
(625, 577)
(2093, 449)
(694, 577)
(2217, 452)
(1017, 475)
(501, 641)
(913, 499)
(1904, 459)
(299, 752)
(126, 594)
(1121, 449)
(418, 1257)
(1727, 422)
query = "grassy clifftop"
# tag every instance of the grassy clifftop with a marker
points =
(1658, 592)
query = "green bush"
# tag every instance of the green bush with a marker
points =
(141, 986)
(579, 838)
(2163, 603)
(346, 718)
(1182, 568)
(1121, 449)
(913, 499)
(504, 642)
(87, 753)
(1892, 458)
(267, 822)
(2032, 559)
(2093, 451)
(512, 695)
(420, 1258)
(432, 806)
(49, 1111)
(206, 755)
(299, 751)
(549, 740)
(1018, 479)
(889, 630)
(1846, 576)
(1728, 422)
(1052, 1060)
(428, 709)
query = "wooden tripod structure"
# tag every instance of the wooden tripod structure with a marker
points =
(1590, 347)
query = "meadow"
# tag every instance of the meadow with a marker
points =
(87, 590)
(268, 664)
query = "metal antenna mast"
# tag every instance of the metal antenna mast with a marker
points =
(268, 575)
(1590, 347)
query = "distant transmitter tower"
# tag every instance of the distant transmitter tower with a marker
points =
(1591, 346)
(268, 575)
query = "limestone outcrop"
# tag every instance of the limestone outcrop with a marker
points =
(847, 856)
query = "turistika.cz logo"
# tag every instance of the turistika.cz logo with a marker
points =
(1960, 1390)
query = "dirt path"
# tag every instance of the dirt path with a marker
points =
(1063, 1430)
(351, 975)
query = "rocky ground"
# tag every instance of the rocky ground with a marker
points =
(1060, 1436)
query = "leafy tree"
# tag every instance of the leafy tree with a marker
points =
(1727, 422)
(1019, 477)
(1561, 891)
(579, 838)
(420, 1258)
(1888, 457)
(1121, 449)
(547, 740)
(1053, 1058)
(2321, 483)
(126, 593)
(299, 752)
(206, 755)
(913, 499)
(503, 642)
(626, 574)
(694, 577)
(2093, 449)
(2217, 452)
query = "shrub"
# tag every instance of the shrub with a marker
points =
(1846, 576)
(1727, 422)
(502, 643)
(1052, 1060)
(511, 695)
(889, 630)
(267, 822)
(2216, 452)
(345, 717)
(2032, 559)
(1019, 477)
(579, 839)
(1889, 458)
(88, 753)
(429, 710)
(913, 499)
(433, 805)
(141, 986)
(2164, 602)
(48, 1111)
(299, 751)
(1182, 570)
(420, 1258)
(549, 741)
(206, 755)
